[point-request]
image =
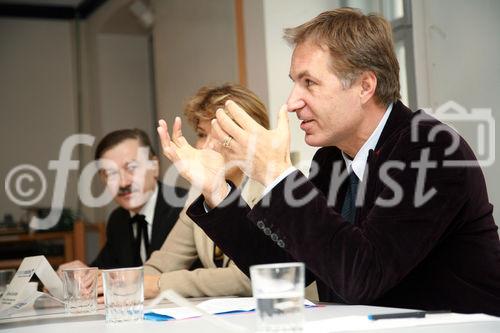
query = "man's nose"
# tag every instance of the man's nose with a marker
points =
(125, 178)
(295, 101)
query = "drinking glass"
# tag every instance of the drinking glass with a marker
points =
(123, 294)
(279, 293)
(80, 289)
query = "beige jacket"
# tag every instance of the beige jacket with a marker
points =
(185, 243)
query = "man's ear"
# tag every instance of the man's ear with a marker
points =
(368, 84)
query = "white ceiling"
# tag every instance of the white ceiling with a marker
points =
(70, 3)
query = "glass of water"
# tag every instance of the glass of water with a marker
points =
(80, 289)
(279, 293)
(123, 294)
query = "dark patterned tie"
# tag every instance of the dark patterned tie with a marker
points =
(349, 206)
(142, 233)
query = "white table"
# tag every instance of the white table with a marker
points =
(54, 320)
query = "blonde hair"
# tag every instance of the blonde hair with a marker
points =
(204, 104)
(357, 43)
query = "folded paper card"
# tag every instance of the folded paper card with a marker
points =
(19, 293)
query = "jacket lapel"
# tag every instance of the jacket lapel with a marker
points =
(398, 119)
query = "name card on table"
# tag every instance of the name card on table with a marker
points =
(19, 293)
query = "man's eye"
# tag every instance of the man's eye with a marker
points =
(132, 167)
(308, 82)
(201, 135)
(111, 173)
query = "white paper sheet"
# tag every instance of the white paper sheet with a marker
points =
(362, 323)
(214, 306)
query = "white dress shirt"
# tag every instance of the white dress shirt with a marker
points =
(358, 163)
(148, 210)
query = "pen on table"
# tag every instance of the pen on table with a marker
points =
(398, 315)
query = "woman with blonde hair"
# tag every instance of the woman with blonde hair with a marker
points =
(168, 268)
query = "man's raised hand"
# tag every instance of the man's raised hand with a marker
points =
(203, 168)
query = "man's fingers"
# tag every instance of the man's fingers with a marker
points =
(283, 118)
(241, 117)
(229, 126)
(283, 129)
(217, 132)
(177, 136)
(283, 125)
(99, 283)
(213, 144)
(169, 146)
(70, 265)
(176, 130)
(163, 133)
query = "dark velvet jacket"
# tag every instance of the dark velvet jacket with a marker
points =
(119, 249)
(435, 249)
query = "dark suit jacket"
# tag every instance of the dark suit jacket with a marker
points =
(440, 254)
(119, 249)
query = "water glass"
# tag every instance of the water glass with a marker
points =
(123, 294)
(279, 293)
(80, 289)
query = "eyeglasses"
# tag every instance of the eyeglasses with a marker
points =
(129, 169)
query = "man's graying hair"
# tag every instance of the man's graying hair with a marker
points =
(357, 43)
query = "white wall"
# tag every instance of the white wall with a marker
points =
(116, 83)
(125, 83)
(255, 48)
(194, 45)
(37, 101)
(457, 58)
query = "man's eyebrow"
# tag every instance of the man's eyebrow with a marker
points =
(300, 75)
(127, 163)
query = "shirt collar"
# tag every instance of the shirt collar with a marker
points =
(358, 163)
(148, 210)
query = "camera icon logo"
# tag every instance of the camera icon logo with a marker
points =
(477, 126)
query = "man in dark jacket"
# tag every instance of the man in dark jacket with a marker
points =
(395, 211)
(147, 208)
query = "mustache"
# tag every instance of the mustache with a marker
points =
(124, 190)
